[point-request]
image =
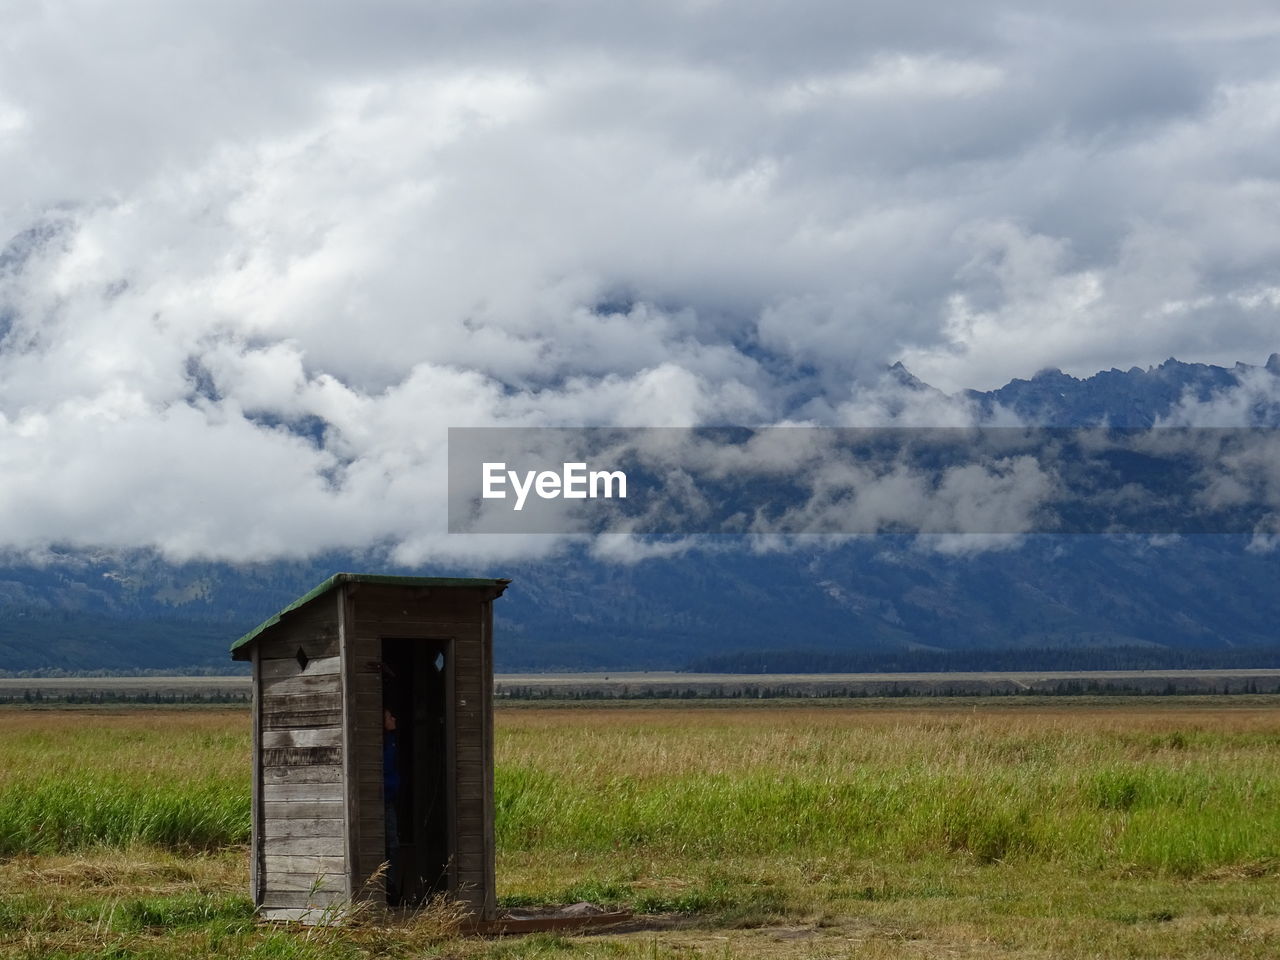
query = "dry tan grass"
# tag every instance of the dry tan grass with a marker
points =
(138, 871)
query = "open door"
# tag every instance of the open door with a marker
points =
(418, 768)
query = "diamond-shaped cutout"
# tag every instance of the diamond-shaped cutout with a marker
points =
(302, 659)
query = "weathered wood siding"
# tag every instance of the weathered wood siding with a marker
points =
(300, 853)
(367, 689)
(490, 906)
(426, 613)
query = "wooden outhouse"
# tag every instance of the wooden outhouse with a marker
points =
(373, 745)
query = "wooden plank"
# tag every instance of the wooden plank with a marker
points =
(304, 865)
(309, 916)
(315, 611)
(372, 852)
(302, 828)
(302, 719)
(370, 713)
(317, 640)
(451, 763)
(320, 625)
(489, 906)
(318, 630)
(427, 632)
(351, 801)
(288, 667)
(367, 646)
(316, 737)
(443, 603)
(303, 846)
(306, 882)
(321, 700)
(287, 686)
(421, 626)
(283, 657)
(303, 809)
(294, 773)
(256, 869)
(517, 926)
(337, 899)
(318, 708)
(368, 754)
(471, 895)
(370, 610)
(272, 792)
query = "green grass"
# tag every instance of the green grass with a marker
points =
(1180, 797)
(77, 779)
(58, 813)
(1144, 829)
(984, 790)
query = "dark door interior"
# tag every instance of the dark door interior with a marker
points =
(415, 689)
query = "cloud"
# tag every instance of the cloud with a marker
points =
(260, 257)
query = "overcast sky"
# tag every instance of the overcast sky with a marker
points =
(257, 256)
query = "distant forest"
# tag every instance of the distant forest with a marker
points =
(986, 660)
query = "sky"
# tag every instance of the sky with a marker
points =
(256, 258)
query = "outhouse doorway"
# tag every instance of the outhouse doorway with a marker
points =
(417, 688)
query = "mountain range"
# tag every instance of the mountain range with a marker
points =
(863, 602)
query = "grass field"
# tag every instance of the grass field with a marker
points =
(1133, 828)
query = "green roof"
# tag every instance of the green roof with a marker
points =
(340, 578)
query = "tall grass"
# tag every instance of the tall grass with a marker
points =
(76, 779)
(58, 813)
(1147, 786)
(1188, 821)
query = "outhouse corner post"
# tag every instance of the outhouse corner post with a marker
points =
(350, 765)
(256, 866)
